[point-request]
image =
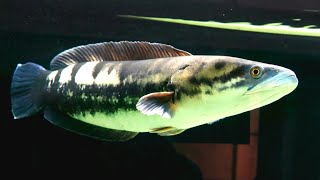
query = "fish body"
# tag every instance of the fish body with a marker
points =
(112, 91)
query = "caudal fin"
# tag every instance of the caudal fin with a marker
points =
(25, 90)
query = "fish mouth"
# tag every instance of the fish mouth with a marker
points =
(284, 82)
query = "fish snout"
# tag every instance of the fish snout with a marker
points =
(285, 81)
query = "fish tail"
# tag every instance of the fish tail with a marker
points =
(26, 96)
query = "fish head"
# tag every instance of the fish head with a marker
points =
(268, 83)
(227, 86)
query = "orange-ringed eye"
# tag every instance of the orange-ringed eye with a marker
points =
(256, 72)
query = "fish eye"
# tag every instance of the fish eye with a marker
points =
(256, 72)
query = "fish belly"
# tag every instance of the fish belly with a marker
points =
(124, 120)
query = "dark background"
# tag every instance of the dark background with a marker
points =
(289, 129)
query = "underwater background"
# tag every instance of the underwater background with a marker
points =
(289, 129)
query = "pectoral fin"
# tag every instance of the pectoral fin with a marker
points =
(159, 103)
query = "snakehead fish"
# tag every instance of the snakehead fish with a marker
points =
(114, 90)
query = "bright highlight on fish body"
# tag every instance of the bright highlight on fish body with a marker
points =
(114, 90)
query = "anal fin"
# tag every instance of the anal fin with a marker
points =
(167, 131)
(65, 121)
(172, 132)
(162, 129)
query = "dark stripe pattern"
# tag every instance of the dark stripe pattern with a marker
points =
(76, 98)
(237, 72)
(113, 98)
(74, 72)
(195, 82)
(220, 65)
(97, 69)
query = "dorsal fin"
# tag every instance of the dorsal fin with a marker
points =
(114, 51)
